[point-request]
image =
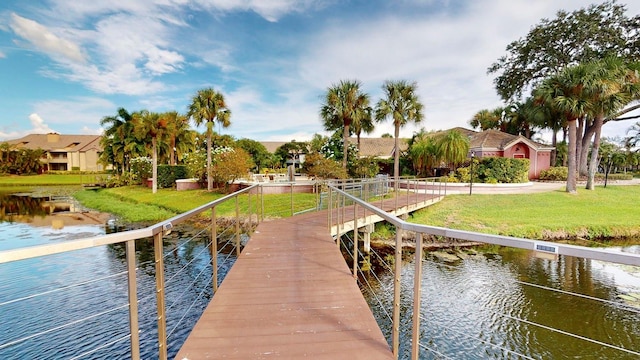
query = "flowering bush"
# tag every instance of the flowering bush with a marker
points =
(141, 169)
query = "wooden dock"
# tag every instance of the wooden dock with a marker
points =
(290, 295)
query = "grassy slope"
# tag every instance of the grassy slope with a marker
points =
(135, 203)
(605, 212)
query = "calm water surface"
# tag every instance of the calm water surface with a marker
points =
(50, 318)
(484, 307)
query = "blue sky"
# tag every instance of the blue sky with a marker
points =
(65, 64)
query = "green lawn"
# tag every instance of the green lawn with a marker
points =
(605, 212)
(136, 203)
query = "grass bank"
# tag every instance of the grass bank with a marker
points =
(605, 213)
(138, 204)
(48, 179)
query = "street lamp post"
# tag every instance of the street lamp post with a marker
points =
(473, 155)
(606, 171)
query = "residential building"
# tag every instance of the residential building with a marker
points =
(64, 152)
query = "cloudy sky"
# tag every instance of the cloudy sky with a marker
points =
(65, 64)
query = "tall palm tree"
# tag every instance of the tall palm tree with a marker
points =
(149, 125)
(208, 106)
(402, 104)
(364, 125)
(563, 92)
(345, 105)
(180, 136)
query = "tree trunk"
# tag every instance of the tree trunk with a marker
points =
(589, 132)
(571, 175)
(209, 177)
(154, 176)
(396, 154)
(345, 136)
(593, 163)
(581, 151)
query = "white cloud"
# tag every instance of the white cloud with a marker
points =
(45, 40)
(2, 55)
(38, 125)
(75, 113)
(269, 10)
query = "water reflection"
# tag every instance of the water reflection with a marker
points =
(488, 305)
(52, 211)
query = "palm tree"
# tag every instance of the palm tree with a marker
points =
(149, 125)
(345, 105)
(634, 135)
(402, 104)
(181, 137)
(364, 125)
(563, 92)
(453, 147)
(118, 135)
(208, 106)
(424, 153)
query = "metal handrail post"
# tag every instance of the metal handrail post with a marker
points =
(291, 197)
(396, 293)
(330, 207)
(214, 250)
(237, 228)
(417, 279)
(355, 241)
(262, 202)
(160, 296)
(133, 299)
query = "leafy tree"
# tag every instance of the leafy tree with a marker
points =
(333, 149)
(345, 105)
(386, 136)
(230, 164)
(208, 106)
(587, 34)
(291, 150)
(402, 104)
(259, 154)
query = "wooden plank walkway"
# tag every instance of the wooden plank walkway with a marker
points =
(290, 295)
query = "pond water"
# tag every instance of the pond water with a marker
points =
(487, 307)
(49, 318)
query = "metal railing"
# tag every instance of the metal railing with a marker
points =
(341, 196)
(255, 210)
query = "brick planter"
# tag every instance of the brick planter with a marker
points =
(187, 184)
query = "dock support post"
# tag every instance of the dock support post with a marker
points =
(214, 250)
(396, 294)
(237, 228)
(133, 299)
(417, 278)
(160, 293)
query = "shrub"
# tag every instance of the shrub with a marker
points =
(556, 173)
(495, 170)
(316, 165)
(168, 174)
(366, 167)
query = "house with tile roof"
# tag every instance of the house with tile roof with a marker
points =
(64, 152)
(499, 144)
